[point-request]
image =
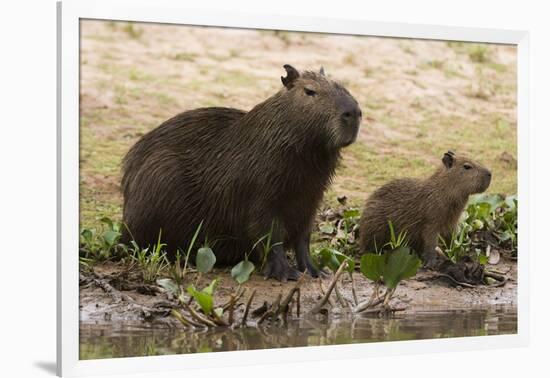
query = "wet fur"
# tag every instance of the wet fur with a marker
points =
(424, 208)
(239, 173)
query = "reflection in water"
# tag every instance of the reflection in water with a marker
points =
(107, 340)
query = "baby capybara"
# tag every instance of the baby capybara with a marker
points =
(424, 208)
(242, 174)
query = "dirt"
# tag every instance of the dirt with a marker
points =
(151, 304)
(419, 97)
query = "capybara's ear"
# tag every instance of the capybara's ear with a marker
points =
(291, 75)
(322, 71)
(448, 159)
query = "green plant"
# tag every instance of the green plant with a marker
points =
(391, 264)
(100, 245)
(177, 272)
(479, 53)
(151, 263)
(390, 267)
(332, 259)
(133, 32)
(205, 259)
(343, 233)
(486, 214)
(204, 297)
(396, 241)
(458, 245)
(242, 271)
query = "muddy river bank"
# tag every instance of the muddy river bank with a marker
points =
(120, 316)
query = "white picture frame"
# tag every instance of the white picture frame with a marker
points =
(69, 14)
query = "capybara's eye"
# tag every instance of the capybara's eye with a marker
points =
(467, 166)
(310, 92)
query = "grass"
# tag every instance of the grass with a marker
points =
(412, 131)
(134, 32)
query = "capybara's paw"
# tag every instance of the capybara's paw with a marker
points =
(281, 271)
(435, 261)
(316, 273)
(322, 273)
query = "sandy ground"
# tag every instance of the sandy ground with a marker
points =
(419, 293)
(419, 97)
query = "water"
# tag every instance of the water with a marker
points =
(108, 340)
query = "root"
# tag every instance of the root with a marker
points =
(184, 320)
(233, 299)
(317, 308)
(247, 308)
(324, 292)
(370, 306)
(285, 304)
(271, 312)
(383, 310)
(494, 275)
(339, 296)
(198, 317)
(353, 291)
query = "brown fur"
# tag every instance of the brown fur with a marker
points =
(242, 173)
(424, 208)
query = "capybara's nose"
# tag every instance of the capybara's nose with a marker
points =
(489, 174)
(352, 115)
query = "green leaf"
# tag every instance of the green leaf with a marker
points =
(205, 260)
(210, 288)
(483, 210)
(326, 258)
(372, 266)
(205, 300)
(326, 229)
(87, 234)
(242, 271)
(351, 213)
(169, 285)
(483, 259)
(107, 221)
(400, 264)
(111, 237)
(511, 201)
(340, 258)
(477, 224)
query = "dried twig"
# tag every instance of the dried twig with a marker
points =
(324, 300)
(353, 291)
(284, 307)
(232, 301)
(494, 275)
(363, 306)
(383, 310)
(324, 292)
(387, 296)
(298, 294)
(184, 320)
(260, 310)
(360, 307)
(247, 308)
(339, 296)
(271, 311)
(198, 317)
(231, 309)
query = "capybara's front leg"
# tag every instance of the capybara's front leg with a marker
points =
(303, 258)
(277, 265)
(433, 259)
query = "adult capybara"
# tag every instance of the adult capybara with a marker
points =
(242, 174)
(424, 208)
